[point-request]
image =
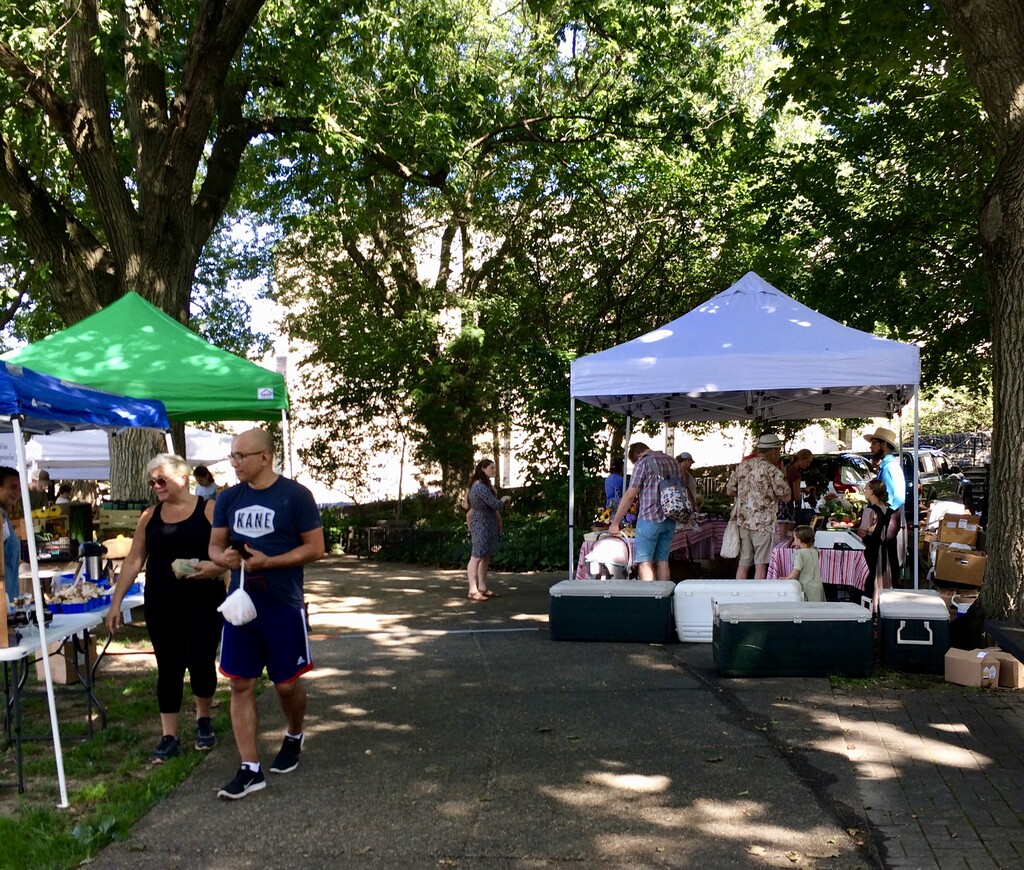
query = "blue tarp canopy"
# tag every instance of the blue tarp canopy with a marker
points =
(47, 404)
(37, 403)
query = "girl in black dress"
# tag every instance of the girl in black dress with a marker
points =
(874, 528)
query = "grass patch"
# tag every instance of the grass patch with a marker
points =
(111, 783)
(883, 677)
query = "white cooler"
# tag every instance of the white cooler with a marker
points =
(826, 539)
(694, 608)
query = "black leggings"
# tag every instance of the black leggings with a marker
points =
(185, 628)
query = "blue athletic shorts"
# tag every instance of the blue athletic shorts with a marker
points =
(276, 640)
(653, 540)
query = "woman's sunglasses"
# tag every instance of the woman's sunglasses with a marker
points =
(154, 482)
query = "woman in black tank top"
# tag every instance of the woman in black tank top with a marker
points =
(181, 612)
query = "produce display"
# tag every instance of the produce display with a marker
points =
(603, 519)
(79, 593)
(47, 513)
(717, 507)
(842, 512)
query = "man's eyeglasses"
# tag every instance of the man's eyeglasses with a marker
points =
(154, 482)
(238, 456)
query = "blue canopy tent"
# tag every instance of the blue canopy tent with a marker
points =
(38, 404)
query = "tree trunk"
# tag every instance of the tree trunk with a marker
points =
(991, 33)
(1003, 234)
(178, 437)
(130, 450)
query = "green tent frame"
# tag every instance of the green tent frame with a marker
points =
(134, 349)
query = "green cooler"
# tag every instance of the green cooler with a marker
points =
(914, 628)
(793, 639)
(612, 610)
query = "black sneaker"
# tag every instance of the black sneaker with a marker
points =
(205, 738)
(288, 758)
(245, 782)
(169, 747)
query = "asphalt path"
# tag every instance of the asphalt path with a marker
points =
(448, 733)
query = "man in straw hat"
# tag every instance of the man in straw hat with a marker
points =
(758, 484)
(890, 471)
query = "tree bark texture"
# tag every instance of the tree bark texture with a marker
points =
(991, 33)
(130, 451)
(151, 164)
(148, 232)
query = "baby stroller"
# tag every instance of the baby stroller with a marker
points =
(609, 560)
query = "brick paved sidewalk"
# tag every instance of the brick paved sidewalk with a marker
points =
(940, 773)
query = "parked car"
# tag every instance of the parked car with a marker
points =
(938, 477)
(846, 472)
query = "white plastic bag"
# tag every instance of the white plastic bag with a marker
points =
(238, 608)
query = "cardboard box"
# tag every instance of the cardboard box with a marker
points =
(959, 529)
(958, 601)
(960, 566)
(972, 668)
(1011, 669)
(62, 661)
(118, 519)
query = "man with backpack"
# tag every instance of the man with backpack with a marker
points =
(654, 530)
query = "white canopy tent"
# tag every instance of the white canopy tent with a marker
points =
(749, 353)
(85, 454)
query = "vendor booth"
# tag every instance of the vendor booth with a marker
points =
(85, 455)
(135, 349)
(749, 353)
(36, 403)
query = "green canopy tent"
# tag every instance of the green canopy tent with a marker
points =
(135, 349)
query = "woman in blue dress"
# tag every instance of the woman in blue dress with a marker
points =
(484, 528)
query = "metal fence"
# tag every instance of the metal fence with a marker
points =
(964, 448)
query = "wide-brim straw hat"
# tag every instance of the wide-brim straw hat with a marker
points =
(886, 435)
(769, 441)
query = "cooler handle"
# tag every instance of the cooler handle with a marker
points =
(927, 627)
(867, 603)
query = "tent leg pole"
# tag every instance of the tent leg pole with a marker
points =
(625, 451)
(917, 502)
(37, 594)
(169, 441)
(286, 441)
(572, 481)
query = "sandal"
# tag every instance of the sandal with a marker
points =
(477, 596)
(488, 593)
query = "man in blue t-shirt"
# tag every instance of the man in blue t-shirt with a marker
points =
(890, 471)
(273, 525)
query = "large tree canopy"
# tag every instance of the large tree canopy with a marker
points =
(121, 136)
(123, 127)
(923, 132)
(523, 189)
